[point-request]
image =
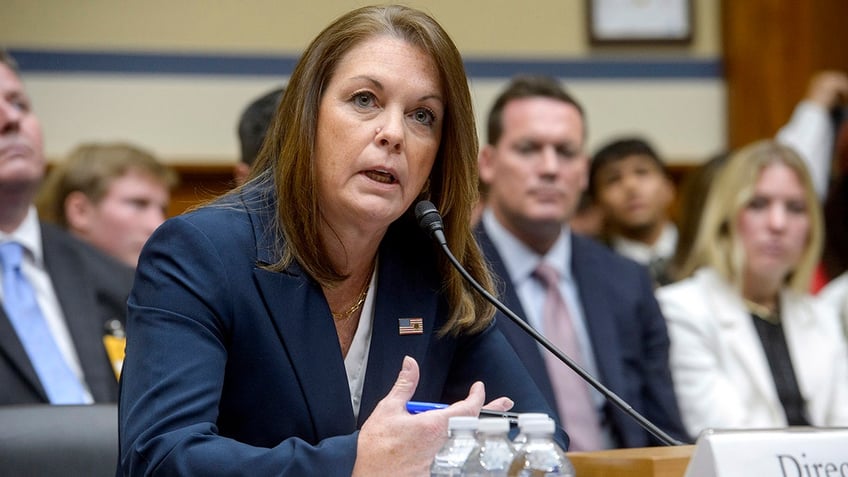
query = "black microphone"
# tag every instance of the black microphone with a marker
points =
(430, 221)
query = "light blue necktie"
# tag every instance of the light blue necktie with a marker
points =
(57, 378)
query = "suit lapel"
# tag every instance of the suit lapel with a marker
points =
(305, 328)
(813, 371)
(598, 311)
(13, 350)
(525, 346)
(304, 325)
(400, 294)
(740, 337)
(79, 305)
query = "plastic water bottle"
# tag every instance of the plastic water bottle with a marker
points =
(523, 418)
(493, 453)
(540, 456)
(460, 443)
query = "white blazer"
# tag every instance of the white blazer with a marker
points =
(721, 376)
(835, 294)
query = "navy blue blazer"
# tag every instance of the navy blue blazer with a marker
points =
(92, 290)
(627, 331)
(232, 368)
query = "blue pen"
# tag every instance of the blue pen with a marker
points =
(416, 407)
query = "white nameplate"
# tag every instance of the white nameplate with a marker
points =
(794, 452)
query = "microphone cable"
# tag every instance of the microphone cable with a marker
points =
(430, 221)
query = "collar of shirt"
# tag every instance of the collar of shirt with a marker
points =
(521, 261)
(28, 234)
(644, 253)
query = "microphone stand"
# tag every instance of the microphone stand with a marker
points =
(431, 221)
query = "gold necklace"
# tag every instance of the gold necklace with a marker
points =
(763, 312)
(341, 316)
(344, 315)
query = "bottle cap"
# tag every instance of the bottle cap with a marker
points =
(457, 423)
(493, 425)
(529, 416)
(539, 426)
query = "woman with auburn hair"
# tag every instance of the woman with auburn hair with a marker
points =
(749, 347)
(266, 330)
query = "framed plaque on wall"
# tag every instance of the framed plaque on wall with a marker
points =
(639, 21)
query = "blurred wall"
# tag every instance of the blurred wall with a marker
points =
(174, 76)
(770, 51)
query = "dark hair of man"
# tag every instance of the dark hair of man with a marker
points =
(255, 122)
(617, 150)
(526, 87)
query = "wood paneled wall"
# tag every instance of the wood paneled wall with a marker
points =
(199, 184)
(771, 48)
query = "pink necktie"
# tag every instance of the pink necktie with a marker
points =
(572, 393)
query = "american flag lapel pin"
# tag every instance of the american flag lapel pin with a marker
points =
(410, 326)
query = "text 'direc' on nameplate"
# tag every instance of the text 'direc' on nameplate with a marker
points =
(793, 452)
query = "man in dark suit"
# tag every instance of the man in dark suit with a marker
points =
(535, 169)
(77, 292)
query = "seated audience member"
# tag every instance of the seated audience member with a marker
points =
(809, 131)
(283, 329)
(629, 182)
(58, 293)
(749, 347)
(111, 195)
(594, 304)
(253, 126)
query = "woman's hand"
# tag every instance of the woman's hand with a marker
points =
(394, 442)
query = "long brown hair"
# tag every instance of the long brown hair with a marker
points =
(286, 159)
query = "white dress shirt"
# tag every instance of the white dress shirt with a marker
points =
(643, 253)
(356, 361)
(28, 234)
(520, 262)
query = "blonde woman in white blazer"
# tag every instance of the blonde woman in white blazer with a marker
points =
(749, 347)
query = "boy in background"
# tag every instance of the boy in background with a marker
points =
(112, 195)
(630, 184)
